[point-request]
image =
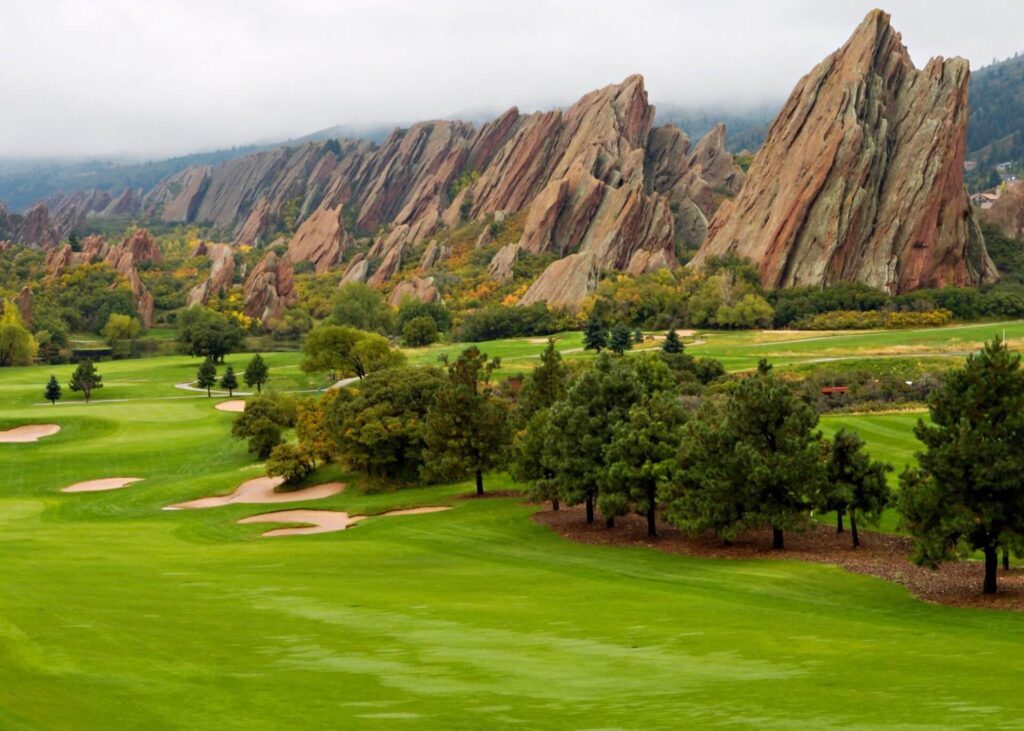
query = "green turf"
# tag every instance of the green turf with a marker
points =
(117, 614)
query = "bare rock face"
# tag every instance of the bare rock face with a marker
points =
(121, 258)
(712, 163)
(269, 288)
(222, 273)
(129, 203)
(389, 265)
(503, 263)
(320, 240)
(143, 247)
(23, 301)
(36, 230)
(357, 271)
(432, 255)
(416, 288)
(860, 178)
(565, 283)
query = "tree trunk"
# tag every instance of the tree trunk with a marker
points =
(208, 394)
(652, 495)
(479, 483)
(609, 522)
(991, 564)
(590, 509)
(259, 387)
(1006, 559)
(777, 542)
(839, 521)
(853, 529)
(554, 504)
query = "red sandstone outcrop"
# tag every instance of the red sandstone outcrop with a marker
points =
(143, 247)
(23, 301)
(36, 230)
(387, 268)
(1007, 214)
(222, 273)
(416, 288)
(357, 271)
(861, 176)
(320, 240)
(269, 288)
(503, 263)
(129, 203)
(432, 255)
(565, 282)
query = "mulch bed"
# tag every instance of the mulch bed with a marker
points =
(881, 555)
(489, 494)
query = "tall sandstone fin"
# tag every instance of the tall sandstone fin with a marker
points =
(861, 177)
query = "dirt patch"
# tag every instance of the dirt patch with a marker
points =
(28, 433)
(881, 555)
(235, 406)
(324, 521)
(107, 483)
(263, 490)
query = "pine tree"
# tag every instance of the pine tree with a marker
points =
(544, 385)
(86, 379)
(672, 343)
(620, 340)
(229, 381)
(855, 484)
(206, 377)
(53, 391)
(595, 335)
(643, 455)
(638, 336)
(467, 427)
(256, 373)
(967, 493)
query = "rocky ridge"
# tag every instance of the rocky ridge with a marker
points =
(861, 177)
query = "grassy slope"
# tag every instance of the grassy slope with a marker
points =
(116, 613)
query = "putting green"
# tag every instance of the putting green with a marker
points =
(115, 613)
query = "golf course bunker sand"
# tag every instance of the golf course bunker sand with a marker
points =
(324, 521)
(261, 490)
(107, 483)
(28, 433)
(235, 406)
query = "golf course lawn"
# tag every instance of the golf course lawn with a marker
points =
(115, 613)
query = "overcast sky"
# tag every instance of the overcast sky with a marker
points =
(160, 77)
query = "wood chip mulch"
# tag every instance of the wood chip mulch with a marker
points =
(881, 555)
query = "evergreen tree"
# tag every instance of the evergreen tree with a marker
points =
(531, 459)
(620, 340)
(638, 336)
(855, 484)
(968, 493)
(754, 461)
(672, 343)
(467, 427)
(86, 379)
(595, 335)
(256, 373)
(544, 385)
(206, 376)
(229, 381)
(53, 391)
(581, 425)
(643, 456)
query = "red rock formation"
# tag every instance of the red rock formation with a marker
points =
(416, 288)
(357, 271)
(36, 230)
(143, 247)
(565, 282)
(222, 273)
(860, 178)
(269, 288)
(503, 263)
(23, 301)
(1007, 214)
(387, 268)
(321, 239)
(129, 203)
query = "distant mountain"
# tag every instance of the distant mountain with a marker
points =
(23, 183)
(747, 127)
(996, 130)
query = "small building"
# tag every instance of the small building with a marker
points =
(833, 390)
(984, 201)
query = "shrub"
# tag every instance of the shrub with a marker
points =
(419, 331)
(289, 462)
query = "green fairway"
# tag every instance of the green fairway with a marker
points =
(115, 613)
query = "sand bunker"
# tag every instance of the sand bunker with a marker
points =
(28, 433)
(236, 406)
(324, 521)
(108, 483)
(261, 490)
